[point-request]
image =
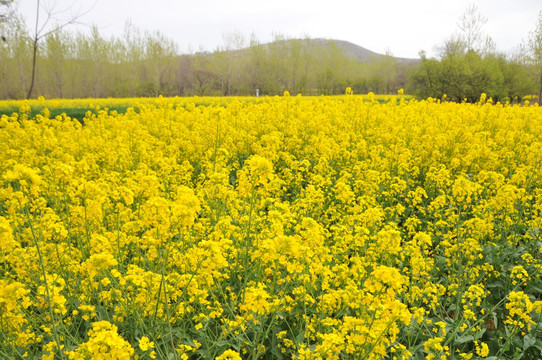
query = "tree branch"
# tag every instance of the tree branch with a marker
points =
(40, 31)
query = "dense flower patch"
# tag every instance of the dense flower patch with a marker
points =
(277, 228)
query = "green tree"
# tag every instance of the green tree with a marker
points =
(132, 57)
(468, 66)
(14, 58)
(517, 79)
(184, 75)
(453, 77)
(298, 64)
(226, 62)
(383, 74)
(535, 52)
(55, 62)
(94, 57)
(425, 80)
(276, 77)
(202, 79)
(331, 74)
(159, 65)
(254, 66)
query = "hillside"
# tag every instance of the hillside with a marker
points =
(363, 55)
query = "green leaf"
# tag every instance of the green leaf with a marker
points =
(300, 337)
(464, 339)
(479, 334)
(222, 344)
(495, 320)
(420, 356)
(277, 354)
(528, 342)
(496, 284)
(535, 287)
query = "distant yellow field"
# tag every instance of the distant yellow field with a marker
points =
(346, 227)
(106, 103)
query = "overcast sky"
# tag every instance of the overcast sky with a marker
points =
(400, 26)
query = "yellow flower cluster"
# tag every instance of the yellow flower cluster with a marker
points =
(229, 355)
(104, 343)
(284, 227)
(520, 307)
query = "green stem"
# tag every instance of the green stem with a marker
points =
(44, 273)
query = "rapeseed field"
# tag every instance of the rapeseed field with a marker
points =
(273, 228)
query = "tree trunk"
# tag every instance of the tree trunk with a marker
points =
(35, 51)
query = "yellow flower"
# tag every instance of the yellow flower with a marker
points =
(103, 341)
(482, 349)
(229, 355)
(145, 344)
(349, 222)
(519, 309)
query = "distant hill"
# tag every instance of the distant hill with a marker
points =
(359, 52)
(350, 49)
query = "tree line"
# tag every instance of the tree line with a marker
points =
(142, 63)
(67, 64)
(469, 65)
(464, 76)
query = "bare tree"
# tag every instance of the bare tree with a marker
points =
(50, 19)
(469, 36)
(471, 25)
